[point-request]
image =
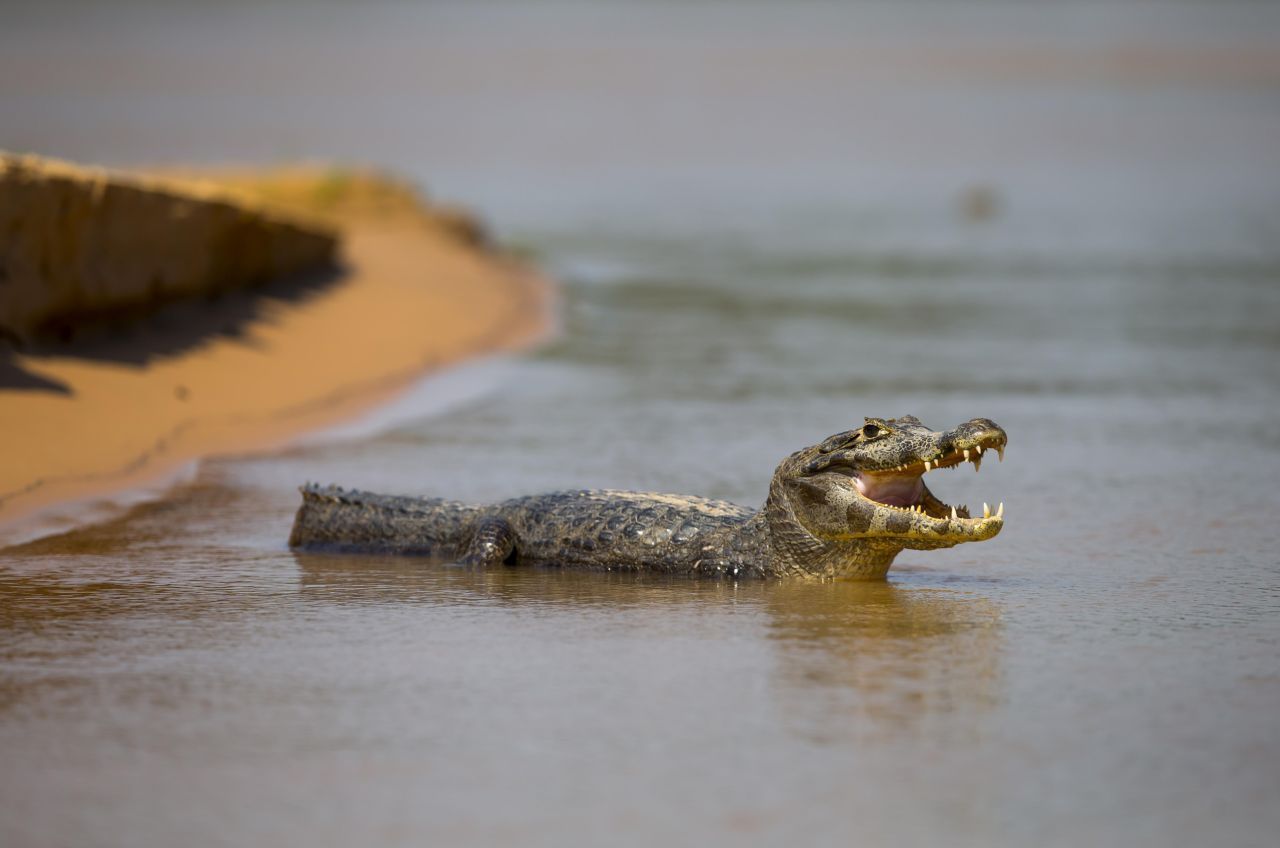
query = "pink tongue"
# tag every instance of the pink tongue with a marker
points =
(891, 489)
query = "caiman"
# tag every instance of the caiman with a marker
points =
(842, 508)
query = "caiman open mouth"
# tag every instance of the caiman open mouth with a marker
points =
(902, 487)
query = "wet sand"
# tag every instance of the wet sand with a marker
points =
(418, 289)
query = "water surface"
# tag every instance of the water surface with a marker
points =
(1106, 671)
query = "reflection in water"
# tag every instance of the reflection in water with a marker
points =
(373, 579)
(860, 659)
(853, 658)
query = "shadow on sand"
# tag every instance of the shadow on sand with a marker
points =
(139, 336)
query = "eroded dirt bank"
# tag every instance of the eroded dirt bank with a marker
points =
(78, 243)
(415, 287)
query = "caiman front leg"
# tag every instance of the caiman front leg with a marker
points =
(491, 544)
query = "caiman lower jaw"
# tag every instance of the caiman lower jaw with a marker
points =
(932, 523)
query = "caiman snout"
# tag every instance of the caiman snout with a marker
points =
(979, 433)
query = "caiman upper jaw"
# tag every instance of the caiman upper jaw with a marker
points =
(961, 448)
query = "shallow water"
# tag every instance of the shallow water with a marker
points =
(1106, 671)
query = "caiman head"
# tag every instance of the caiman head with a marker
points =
(848, 506)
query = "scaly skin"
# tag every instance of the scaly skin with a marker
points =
(843, 508)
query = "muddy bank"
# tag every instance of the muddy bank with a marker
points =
(81, 244)
(415, 287)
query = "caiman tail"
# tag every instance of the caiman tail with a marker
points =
(333, 518)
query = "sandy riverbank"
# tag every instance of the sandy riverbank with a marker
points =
(418, 289)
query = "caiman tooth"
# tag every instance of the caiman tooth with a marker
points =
(1000, 452)
(1000, 511)
(986, 510)
(966, 454)
(977, 463)
(953, 514)
(927, 466)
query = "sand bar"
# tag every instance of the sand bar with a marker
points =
(418, 288)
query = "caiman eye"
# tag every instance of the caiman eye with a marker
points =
(870, 431)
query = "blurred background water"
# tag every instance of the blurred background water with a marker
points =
(770, 220)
